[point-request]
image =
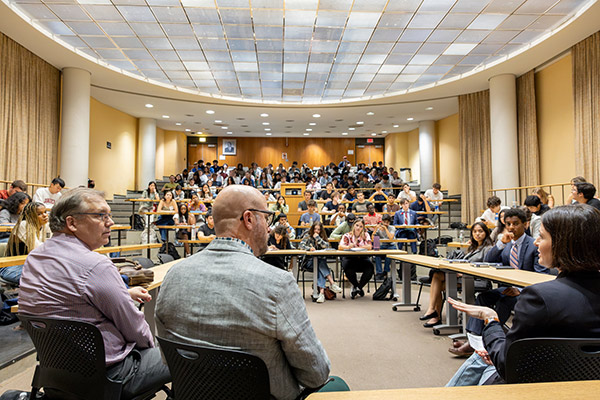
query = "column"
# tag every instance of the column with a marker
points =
(75, 132)
(504, 139)
(426, 153)
(146, 152)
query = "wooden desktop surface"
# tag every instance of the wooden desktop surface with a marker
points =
(418, 259)
(515, 277)
(582, 390)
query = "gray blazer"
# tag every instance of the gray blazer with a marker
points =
(224, 296)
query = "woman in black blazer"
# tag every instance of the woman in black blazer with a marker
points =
(567, 307)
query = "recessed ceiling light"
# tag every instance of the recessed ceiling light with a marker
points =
(149, 105)
(266, 123)
(306, 134)
(267, 129)
(218, 121)
(188, 130)
(396, 126)
(344, 133)
(312, 123)
(166, 116)
(316, 115)
(210, 112)
(351, 129)
(383, 131)
(359, 123)
(264, 115)
(429, 108)
(409, 119)
(308, 130)
(370, 113)
(178, 123)
(269, 133)
(373, 134)
(230, 133)
(200, 133)
(203, 139)
(224, 127)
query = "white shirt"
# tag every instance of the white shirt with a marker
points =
(43, 195)
(432, 196)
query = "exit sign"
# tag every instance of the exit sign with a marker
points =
(369, 140)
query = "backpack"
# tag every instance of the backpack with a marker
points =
(172, 251)
(383, 290)
(430, 250)
(137, 222)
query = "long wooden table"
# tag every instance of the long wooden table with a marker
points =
(582, 390)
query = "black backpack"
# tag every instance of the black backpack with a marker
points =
(172, 251)
(137, 222)
(383, 290)
(430, 250)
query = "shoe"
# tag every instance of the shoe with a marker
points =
(458, 343)
(463, 351)
(381, 276)
(432, 324)
(361, 292)
(434, 314)
(354, 293)
(335, 288)
(321, 298)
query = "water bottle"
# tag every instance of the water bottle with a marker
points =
(376, 242)
(460, 236)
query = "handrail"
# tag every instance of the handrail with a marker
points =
(529, 187)
(29, 184)
(521, 191)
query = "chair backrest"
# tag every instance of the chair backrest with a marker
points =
(210, 373)
(553, 359)
(71, 358)
(144, 262)
(165, 258)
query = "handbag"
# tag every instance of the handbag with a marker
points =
(329, 294)
(136, 275)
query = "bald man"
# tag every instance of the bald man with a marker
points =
(225, 296)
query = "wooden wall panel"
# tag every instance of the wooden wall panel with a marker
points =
(313, 151)
(368, 154)
(201, 151)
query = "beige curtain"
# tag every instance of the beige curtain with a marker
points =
(475, 152)
(586, 92)
(29, 115)
(529, 154)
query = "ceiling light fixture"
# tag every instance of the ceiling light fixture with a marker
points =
(224, 127)
(188, 130)
(359, 123)
(230, 133)
(266, 123)
(383, 131)
(264, 115)
(308, 130)
(218, 121)
(410, 119)
(178, 123)
(306, 134)
(351, 129)
(344, 133)
(370, 113)
(203, 139)
(267, 129)
(396, 126)
(316, 115)
(210, 112)
(312, 123)
(269, 133)
(166, 116)
(149, 105)
(429, 108)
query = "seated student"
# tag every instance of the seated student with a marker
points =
(350, 195)
(480, 243)
(65, 278)
(268, 196)
(516, 249)
(50, 195)
(149, 193)
(420, 205)
(384, 230)
(15, 186)
(311, 216)
(379, 196)
(278, 240)
(386, 184)
(391, 206)
(490, 216)
(500, 228)
(406, 216)
(313, 185)
(303, 205)
(365, 185)
(312, 240)
(584, 194)
(546, 198)
(195, 205)
(433, 196)
(327, 193)
(169, 186)
(339, 216)
(11, 209)
(30, 231)
(566, 307)
(360, 204)
(332, 205)
(178, 193)
(407, 194)
(535, 205)
(184, 217)
(372, 219)
(208, 229)
(343, 228)
(280, 206)
(357, 238)
(282, 220)
(166, 204)
(574, 181)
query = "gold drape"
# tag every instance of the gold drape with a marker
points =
(29, 115)
(475, 152)
(529, 153)
(586, 92)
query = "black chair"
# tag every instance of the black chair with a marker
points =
(552, 360)
(144, 262)
(165, 258)
(211, 373)
(71, 359)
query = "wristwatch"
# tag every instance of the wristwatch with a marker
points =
(489, 320)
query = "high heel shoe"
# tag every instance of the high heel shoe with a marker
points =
(434, 314)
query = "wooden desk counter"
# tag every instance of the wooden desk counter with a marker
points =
(515, 277)
(7, 227)
(583, 390)
(458, 244)
(418, 259)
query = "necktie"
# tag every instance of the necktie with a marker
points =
(405, 218)
(514, 257)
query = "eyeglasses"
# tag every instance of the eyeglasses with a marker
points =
(269, 218)
(105, 217)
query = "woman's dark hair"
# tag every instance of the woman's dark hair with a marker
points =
(187, 211)
(13, 202)
(150, 183)
(487, 240)
(322, 233)
(282, 230)
(230, 180)
(575, 234)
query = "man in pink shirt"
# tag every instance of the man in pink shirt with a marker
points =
(65, 278)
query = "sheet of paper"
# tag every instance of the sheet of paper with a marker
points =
(475, 341)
